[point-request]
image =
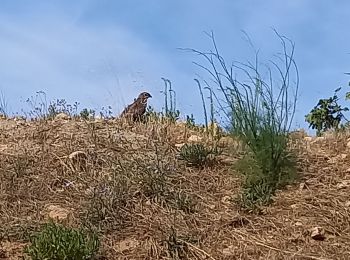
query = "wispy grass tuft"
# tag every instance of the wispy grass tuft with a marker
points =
(260, 106)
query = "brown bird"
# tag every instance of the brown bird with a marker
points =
(135, 110)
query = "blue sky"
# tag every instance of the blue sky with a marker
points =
(104, 52)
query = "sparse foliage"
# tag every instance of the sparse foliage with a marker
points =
(197, 155)
(259, 109)
(57, 242)
(326, 115)
(87, 114)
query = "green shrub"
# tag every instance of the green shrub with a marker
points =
(197, 155)
(56, 242)
(326, 115)
(260, 106)
(87, 114)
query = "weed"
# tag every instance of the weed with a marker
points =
(106, 112)
(41, 109)
(58, 242)
(197, 155)
(327, 114)
(190, 121)
(260, 110)
(87, 114)
(107, 206)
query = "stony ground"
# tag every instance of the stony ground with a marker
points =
(127, 182)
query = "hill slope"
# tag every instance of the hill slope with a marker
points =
(127, 182)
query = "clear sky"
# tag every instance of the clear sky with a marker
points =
(104, 52)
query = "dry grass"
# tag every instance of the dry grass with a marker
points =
(146, 204)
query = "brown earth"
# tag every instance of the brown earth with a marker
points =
(127, 182)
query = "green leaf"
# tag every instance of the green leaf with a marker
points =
(347, 95)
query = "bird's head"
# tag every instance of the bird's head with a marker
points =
(144, 96)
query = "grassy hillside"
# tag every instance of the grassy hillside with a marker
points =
(128, 183)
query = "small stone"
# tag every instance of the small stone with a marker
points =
(308, 138)
(298, 224)
(56, 212)
(126, 245)
(228, 160)
(226, 141)
(348, 144)
(194, 139)
(343, 156)
(294, 206)
(317, 233)
(347, 204)
(318, 139)
(62, 116)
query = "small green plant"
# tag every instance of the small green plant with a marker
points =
(87, 114)
(259, 105)
(327, 114)
(171, 113)
(57, 242)
(263, 177)
(197, 155)
(190, 122)
(106, 112)
(40, 108)
(61, 106)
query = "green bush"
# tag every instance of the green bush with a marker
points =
(56, 242)
(197, 155)
(260, 106)
(327, 114)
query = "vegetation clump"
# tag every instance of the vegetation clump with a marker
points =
(58, 242)
(260, 112)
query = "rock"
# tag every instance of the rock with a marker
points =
(226, 141)
(126, 244)
(298, 224)
(57, 213)
(319, 139)
(229, 160)
(62, 116)
(317, 233)
(347, 204)
(194, 139)
(348, 144)
(308, 138)
(343, 156)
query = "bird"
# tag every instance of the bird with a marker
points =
(136, 110)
